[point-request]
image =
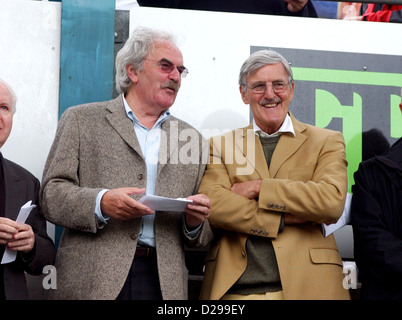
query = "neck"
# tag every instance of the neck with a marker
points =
(146, 115)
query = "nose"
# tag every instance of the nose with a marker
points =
(269, 92)
(175, 75)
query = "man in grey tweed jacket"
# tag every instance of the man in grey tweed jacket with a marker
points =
(104, 157)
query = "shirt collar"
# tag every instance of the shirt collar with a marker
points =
(287, 126)
(134, 118)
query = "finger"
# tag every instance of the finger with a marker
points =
(194, 218)
(21, 245)
(200, 199)
(134, 190)
(8, 222)
(7, 231)
(137, 206)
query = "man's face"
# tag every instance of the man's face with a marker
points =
(155, 87)
(269, 108)
(6, 115)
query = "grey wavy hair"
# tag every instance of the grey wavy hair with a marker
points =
(260, 59)
(134, 51)
(13, 95)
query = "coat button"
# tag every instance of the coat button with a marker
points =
(140, 176)
(133, 236)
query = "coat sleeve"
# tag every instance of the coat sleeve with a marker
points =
(44, 251)
(64, 202)
(230, 211)
(315, 190)
(204, 235)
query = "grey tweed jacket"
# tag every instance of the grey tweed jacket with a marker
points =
(95, 148)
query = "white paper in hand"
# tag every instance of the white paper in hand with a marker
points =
(9, 256)
(158, 203)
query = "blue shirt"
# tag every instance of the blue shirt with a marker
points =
(149, 141)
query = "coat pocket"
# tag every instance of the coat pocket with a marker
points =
(325, 255)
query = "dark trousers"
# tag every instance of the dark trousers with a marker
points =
(142, 282)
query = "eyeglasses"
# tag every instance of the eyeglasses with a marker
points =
(168, 67)
(260, 87)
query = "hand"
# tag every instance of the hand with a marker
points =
(289, 218)
(118, 204)
(8, 228)
(17, 236)
(198, 211)
(296, 5)
(248, 189)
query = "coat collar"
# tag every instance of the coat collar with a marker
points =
(123, 125)
(287, 146)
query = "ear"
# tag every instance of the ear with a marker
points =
(292, 89)
(132, 73)
(243, 95)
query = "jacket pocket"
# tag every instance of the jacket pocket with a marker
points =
(325, 255)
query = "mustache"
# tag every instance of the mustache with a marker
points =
(171, 85)
(265, 101)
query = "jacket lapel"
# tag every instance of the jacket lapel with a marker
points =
(122, 124)
(250, 146)
(167, 150)
(14, 188)
(287, 146)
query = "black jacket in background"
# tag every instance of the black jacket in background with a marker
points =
(377, 224)
(275, 7)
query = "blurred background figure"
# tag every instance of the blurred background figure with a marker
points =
(302, 8)
(370, 12)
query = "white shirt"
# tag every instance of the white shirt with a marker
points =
(287, 126)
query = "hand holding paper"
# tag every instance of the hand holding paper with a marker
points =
(10, 255)
(158, 203)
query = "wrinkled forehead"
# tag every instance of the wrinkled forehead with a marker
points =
(166, 50)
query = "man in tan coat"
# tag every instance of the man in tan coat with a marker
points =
(271, 185)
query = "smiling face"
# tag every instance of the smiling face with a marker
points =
(269, 108)
(155, 89)
(6, 114)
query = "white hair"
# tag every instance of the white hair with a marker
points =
(134, 51)
(13, 95)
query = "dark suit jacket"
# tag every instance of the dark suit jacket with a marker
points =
(377, 224)
(20, 187)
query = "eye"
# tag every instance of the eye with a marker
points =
(279, 85)
(166, 67)
(258, 87)
(181, 69)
